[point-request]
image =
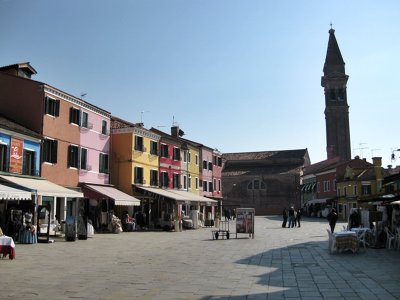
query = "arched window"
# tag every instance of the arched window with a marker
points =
(256, 184)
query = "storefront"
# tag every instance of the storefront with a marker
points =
(45, 193)
(106, 206)
(167, 208)
(13, 202)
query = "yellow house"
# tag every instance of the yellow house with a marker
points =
(135, 159)
(190, 168)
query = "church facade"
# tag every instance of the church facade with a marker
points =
(267, 181)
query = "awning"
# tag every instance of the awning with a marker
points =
(179, 195)
(42, 187)
(120, 198)
(194, 198)
(315, 201)
(9, 193)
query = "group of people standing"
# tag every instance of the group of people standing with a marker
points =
(293, 216)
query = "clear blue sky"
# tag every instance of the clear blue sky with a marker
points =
(235, 75)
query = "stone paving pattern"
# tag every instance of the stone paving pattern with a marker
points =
(279, 263)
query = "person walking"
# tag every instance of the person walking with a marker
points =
(285, 216)
(298, 217)
(332, 218)
(291, 217)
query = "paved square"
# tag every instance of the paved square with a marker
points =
(279, 263)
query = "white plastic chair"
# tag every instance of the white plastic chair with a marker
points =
(390, 239)
(332, 244)
(361, 238)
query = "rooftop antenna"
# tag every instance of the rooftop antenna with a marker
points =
(372, 152)
(83, 95)
(173, 121)
(361, 148)
(141, 115)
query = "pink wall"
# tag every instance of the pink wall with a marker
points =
(95, 142)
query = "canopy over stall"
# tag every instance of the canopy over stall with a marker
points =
(120, 198)
(7, 192)
(42, 187)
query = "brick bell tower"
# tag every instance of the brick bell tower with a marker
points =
(334, 83)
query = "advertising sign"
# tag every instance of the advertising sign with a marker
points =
(245, 221)
(16, 150)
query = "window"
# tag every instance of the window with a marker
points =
(204, 164)
(73, 156)
(139, 143)
(204, 186)
(327, 186)
(3, 158)
(85, 120)
(196, 159)
(176, 182)
(83, 162)
(215, 184)
(74, 116)
(104, 127)
(29, 163)
(210, 186)
(177, 154)
(50, 151)
(256, 184)
(190, 181)
(154, 148)
(103, 163)
(138, 175)
(164, 150)
(219, 161)
(164, 179)
(334, 184)
(210, 166)
(153, 178)
(366, 190)
(197, 183)
(214, 160)
(355, 190)
(51, 107)
(184, 182)
(219, 185)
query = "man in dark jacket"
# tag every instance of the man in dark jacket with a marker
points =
(332, 218)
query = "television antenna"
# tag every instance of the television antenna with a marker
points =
(360, 148)
(141, 115)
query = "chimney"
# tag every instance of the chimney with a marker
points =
(176, 132)
(377, 162)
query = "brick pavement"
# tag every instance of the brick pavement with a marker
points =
(279, 263)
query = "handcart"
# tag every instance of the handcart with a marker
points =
(223, 231)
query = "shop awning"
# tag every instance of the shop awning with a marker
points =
(42, 187)
(10, 193)
(179, 195)
(194, 198)
(120, 198)
(316, 201)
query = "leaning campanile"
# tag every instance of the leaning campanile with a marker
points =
(334, 83)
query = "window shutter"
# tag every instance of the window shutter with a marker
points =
(57, 108)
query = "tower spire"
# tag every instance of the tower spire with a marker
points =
(334, 82)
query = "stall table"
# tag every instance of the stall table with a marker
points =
(346, 241)
(7, 247)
